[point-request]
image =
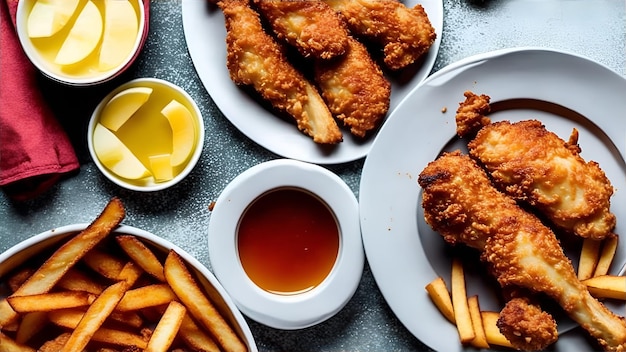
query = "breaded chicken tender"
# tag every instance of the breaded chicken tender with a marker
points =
(310, 26)
(354, 89)
(254, 58)
(471, 115)
(461, 203)
(404, 33)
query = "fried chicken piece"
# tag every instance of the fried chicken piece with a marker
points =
(311, 26)
(354, 88)
(461, 204)
(526, 325)
(404, 33)
(535, 166)
(471, 115)
(256, 59)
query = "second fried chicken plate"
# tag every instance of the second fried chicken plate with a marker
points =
(461, 204)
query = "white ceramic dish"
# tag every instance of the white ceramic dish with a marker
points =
(23, 251)
(205, 34)
(23, 10)
(286, 311)
(185, 99)
(560, 89)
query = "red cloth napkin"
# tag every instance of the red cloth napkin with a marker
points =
(35, 152)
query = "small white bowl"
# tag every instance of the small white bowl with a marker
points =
(298, 310)
(45, 241)
(90, 75)
(158, 85)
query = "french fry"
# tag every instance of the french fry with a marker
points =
(130, 273)
(589, 255)
(97, 313)
(10, 345)
(607, 286)
(167, 328)
(196, 338)
(76, 280)
(439, 294)
(190, 294)
(146, 296)
(16, 280)
(142, 255)
(459, 302)
(30, 325)
(46, 302)
(492, 332)
(480, 341)
(609, 248)
(104, 263)
(66, 256)
(70, 319)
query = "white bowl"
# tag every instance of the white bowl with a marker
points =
(148, 185)
(299, 310)
(77, 79)
(23, 251)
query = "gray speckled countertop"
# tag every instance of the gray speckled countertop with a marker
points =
(595, 29)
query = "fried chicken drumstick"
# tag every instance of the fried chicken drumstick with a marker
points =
(535, 166)
(311, 26)
(461, 204)
(405, 33)
(255, 59)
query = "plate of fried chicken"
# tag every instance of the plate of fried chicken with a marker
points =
(516, 158)
(311, 80)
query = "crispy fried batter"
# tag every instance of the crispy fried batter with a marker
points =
(526, 326)
(354, 89)
(405, 33)
(471, 114)
(460, 203)
(535, 166)
(255, 59)
(311, 26)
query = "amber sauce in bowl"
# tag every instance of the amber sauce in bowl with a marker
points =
(288, 241)
(285, 241)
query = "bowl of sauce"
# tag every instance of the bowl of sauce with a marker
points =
(285, 241)
(81, 42)
(146, 135)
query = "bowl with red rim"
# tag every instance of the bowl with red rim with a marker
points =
(82, 42)
(285, 241)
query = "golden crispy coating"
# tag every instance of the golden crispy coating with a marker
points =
(471, 114)
(526, 326)
(405, 33)
(311, 26)
(255, 59)
(535, 166)
(460, 203)
(354, 89)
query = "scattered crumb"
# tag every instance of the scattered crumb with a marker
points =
(211, 206)
(444, 109)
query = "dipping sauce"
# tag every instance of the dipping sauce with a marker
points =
(288, 241)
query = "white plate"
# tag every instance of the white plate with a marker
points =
(403, 252)
(205, 34)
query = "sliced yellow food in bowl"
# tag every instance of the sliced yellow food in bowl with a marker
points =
(83, 38)
(121, 27)
(48, 17)
(183, 131)
(115, 156)
(123, 105)
(161, 166)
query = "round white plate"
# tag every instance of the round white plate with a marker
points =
(205, 34)
(560, 89)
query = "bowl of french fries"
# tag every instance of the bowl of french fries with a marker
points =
(104, 286)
